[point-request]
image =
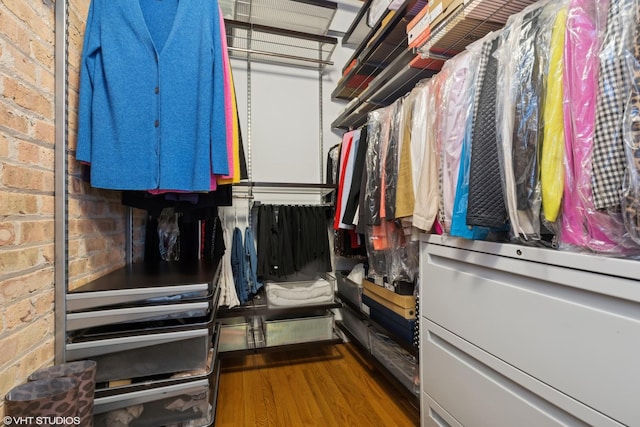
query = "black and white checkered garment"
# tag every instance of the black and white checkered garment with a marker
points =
(609, 162)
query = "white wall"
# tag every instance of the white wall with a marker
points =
(285, 113)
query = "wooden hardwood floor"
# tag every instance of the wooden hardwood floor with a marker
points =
(326, 386)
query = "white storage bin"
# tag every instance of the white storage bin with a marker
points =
(298, 330)
(300, 293)
(234, 335)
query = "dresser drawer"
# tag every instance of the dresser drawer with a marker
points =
(577, 331)
(479, 389)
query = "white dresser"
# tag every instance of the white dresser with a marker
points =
(516, 336)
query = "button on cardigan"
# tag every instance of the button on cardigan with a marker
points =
(134, 136)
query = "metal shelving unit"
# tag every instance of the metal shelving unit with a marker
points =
(283, 32)
(471, 20)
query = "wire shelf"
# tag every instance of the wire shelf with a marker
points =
(469, 21)
(278, 46)
(306, 16)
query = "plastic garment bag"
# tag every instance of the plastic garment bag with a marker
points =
(372, 194)
(552, 158)
(459, 227)
(524, 61)
(405, 197)
(420, 96)
(609, 162)
(584, 226)
(631, 188)
(455, 112)
(169, 235)
(392, 159)
(426, 207)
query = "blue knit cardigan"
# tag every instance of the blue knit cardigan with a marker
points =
(152, 117)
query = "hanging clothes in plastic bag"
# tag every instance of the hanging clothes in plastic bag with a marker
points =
(459, 227)
(169, 235)
(552, 157)
(420, 96)
(427, 197)
(405, 197)
(631, 190)
(391, 160)
(402, 256)
(583, 225)
(609, 161)
(372, 192)
(455, 112)
(486, 206)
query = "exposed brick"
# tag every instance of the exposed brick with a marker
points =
(19, 313)
(43, 304)
(34, 154)
(44, 131)
(17, 204)
(24, 178)
(9, 345)
(7, 233)
(39, 358)
(47, 81)
(34, 333)
(4, 146)
(48, 253)
(95, 244)
(23, 65)
(13, 119)
(33, 21)
(28, 97)
(21, 286)
(9, 25)
(44, 54)
(8, 377)
(78, 267)
(37, 231)
(46, 205)
(80, 227)
(19, 260)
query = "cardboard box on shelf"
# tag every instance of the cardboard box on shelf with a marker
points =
(404, 301)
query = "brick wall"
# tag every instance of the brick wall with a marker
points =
(26, 189)
(27, 136)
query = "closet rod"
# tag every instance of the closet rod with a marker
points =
(280, 55)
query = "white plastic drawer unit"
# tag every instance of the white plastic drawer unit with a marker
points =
(178, 402)
(161, 283)
(569, 321)
(175, 346)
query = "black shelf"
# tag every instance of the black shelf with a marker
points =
(376, 51)
(394, 81)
